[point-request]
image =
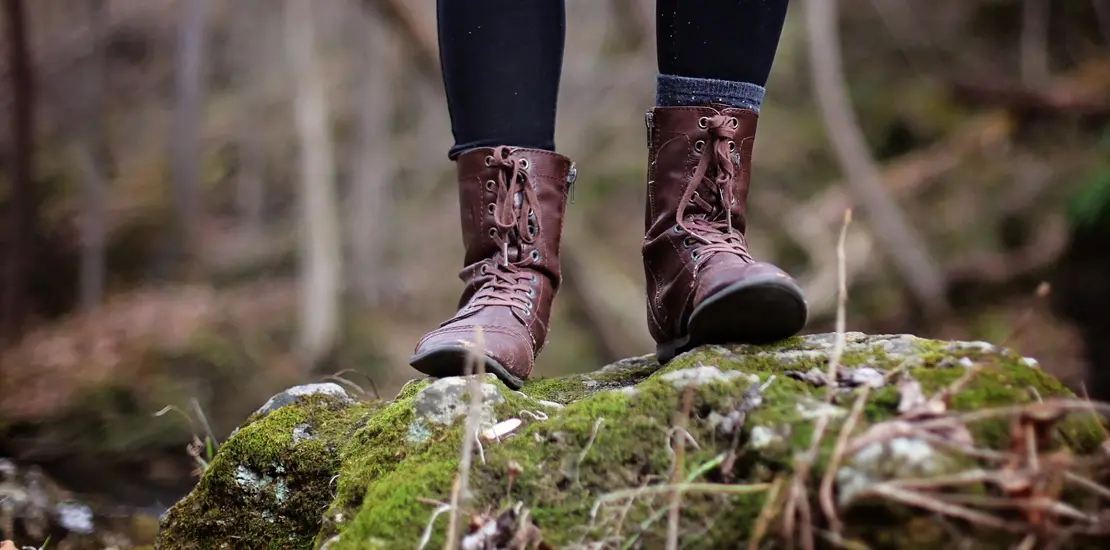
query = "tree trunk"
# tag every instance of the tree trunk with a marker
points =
(368, 219)
(185, 139)
(21, 207)
(320, 257)
(250, 30)
(92, 165)
(902, 244)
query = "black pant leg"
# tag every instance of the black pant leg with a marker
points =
(501, 62)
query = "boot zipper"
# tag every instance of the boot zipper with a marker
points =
(572, 174)
(649, 121)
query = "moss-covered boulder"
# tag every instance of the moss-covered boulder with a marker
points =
(921, 443)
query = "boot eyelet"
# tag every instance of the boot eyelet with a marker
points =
(694, 255)
(493, 232)
(699, 145)
(731, 146)
(489, 160)
(531, 292)
(703, 122)
(491, 208)
(490, 184)
(525, 312)
(483, 270)
(677, 230)
(525, 164)
(734, 121)
(531, 213)
(535, 255)
(687, 242)
(534, 279)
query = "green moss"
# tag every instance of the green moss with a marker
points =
(572, 388)
(263, 489)
(612, 435)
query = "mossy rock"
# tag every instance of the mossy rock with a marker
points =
(372, 474)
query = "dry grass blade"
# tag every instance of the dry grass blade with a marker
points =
(667, 488)
(679, 446)
(475, 368)
(766, 514)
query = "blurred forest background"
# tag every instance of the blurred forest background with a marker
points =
(206, 202)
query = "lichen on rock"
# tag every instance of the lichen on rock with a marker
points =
(591, 446)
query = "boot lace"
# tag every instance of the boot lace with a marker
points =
(515, 224)
(716, 235)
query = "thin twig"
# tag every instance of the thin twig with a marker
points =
(1094, 414)
(841, 307)
(912, 498)
(1067, 405)
(826, 491)
(1088, 484)
(476, 369)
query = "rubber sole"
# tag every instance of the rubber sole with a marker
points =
(759, 310)
(452, 361)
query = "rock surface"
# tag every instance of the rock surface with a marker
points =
(324, 471)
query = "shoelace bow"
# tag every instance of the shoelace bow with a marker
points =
(514, 218)
(714, 234)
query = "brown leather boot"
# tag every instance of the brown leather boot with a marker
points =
(512, 202)
(703, 286)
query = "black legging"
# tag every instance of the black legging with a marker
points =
(502, 59)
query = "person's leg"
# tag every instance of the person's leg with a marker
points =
(501, 62)
(703, 285)
(716, 51)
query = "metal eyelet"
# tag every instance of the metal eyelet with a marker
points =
(493, 232)
(677, 230)
(534, 279)
(699, 145)
(703, 122)
(525, 164)
(535, 255)
(686, 242)
(490, 184)
(731, 146)
(527, 312)
(531, 213)
(531, 292)
(734, 121)
(483, 270)
(489, 160)
(694, 255)
(491, 208)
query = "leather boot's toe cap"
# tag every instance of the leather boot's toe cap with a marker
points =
(509, 347)
(719, 276)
